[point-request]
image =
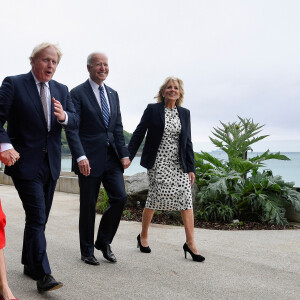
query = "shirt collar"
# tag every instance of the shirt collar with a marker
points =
(37, 82)
(95, 85)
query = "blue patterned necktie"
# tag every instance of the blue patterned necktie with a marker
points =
(104, 106)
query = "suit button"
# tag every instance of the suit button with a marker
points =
(44, 150)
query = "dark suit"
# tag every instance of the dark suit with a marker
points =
(153, 122)
(36, 172)
(104, 147)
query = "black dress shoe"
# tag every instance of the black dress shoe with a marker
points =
(48, 283)
(90, 260)
(106, 251)
(28, 272)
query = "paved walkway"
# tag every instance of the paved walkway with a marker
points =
(239, 264)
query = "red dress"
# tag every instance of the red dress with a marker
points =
(2, 225)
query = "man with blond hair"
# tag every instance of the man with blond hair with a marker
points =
(36, 108)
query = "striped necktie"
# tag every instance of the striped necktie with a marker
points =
(104, 106)
(44, 100)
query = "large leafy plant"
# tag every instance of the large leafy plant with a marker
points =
(234, 188)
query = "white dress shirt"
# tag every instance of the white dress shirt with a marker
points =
(95, 87)
(48, 99)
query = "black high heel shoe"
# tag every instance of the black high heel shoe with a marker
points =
(142, 248)
(196, 257)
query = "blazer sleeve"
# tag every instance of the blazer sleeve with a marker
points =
(139, 133)
(72, 135)
(73, 119)
(6, 100)
(190, 161)
(118, 133)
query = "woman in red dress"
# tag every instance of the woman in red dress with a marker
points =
(5, 292)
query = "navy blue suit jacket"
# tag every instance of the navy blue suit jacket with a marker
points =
(21, 108)
(153, 122)
(90, 139)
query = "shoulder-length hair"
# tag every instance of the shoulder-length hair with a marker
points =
(160, 97)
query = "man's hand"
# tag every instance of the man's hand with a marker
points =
(9, 157)
(192, 177)
(84, 167)
(58, 110)
(125, 162)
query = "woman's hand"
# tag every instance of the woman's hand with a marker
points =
(192, 177)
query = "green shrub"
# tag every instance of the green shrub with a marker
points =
(226, 189)
(102, 201)
(127, 213)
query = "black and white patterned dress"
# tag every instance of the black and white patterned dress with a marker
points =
(169, 186)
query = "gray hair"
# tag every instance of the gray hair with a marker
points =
(91, 57)
(39, 48)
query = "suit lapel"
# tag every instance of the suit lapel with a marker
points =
(111, 104)
(93, 100)
(34, 96)
(161, 109)
(180, 113)
(182, 121)
(53, 93)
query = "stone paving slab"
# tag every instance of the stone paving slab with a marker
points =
(239, 265)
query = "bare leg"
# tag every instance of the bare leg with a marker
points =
(147, 217)
(4, 289)
(188, 221)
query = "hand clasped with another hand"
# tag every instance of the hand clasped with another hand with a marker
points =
(9, 157)
(125, 162)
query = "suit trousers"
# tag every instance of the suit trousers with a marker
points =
(113, 182)
(36, 196)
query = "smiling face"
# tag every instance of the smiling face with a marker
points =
(171, 92)
(44, 65)
(99, 68)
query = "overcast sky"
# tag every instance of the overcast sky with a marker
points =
(235, 57)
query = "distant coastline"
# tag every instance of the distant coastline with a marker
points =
(289, 170)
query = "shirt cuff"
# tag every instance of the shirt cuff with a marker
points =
(65, 122)
(81, 158)
(5, 146)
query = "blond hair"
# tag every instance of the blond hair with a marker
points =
(39, 48)
(160, 97)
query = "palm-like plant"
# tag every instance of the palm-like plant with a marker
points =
(225, 192)
(236, 138)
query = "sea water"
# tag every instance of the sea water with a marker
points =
(289, 170)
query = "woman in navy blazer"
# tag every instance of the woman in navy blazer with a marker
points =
(168, 155)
